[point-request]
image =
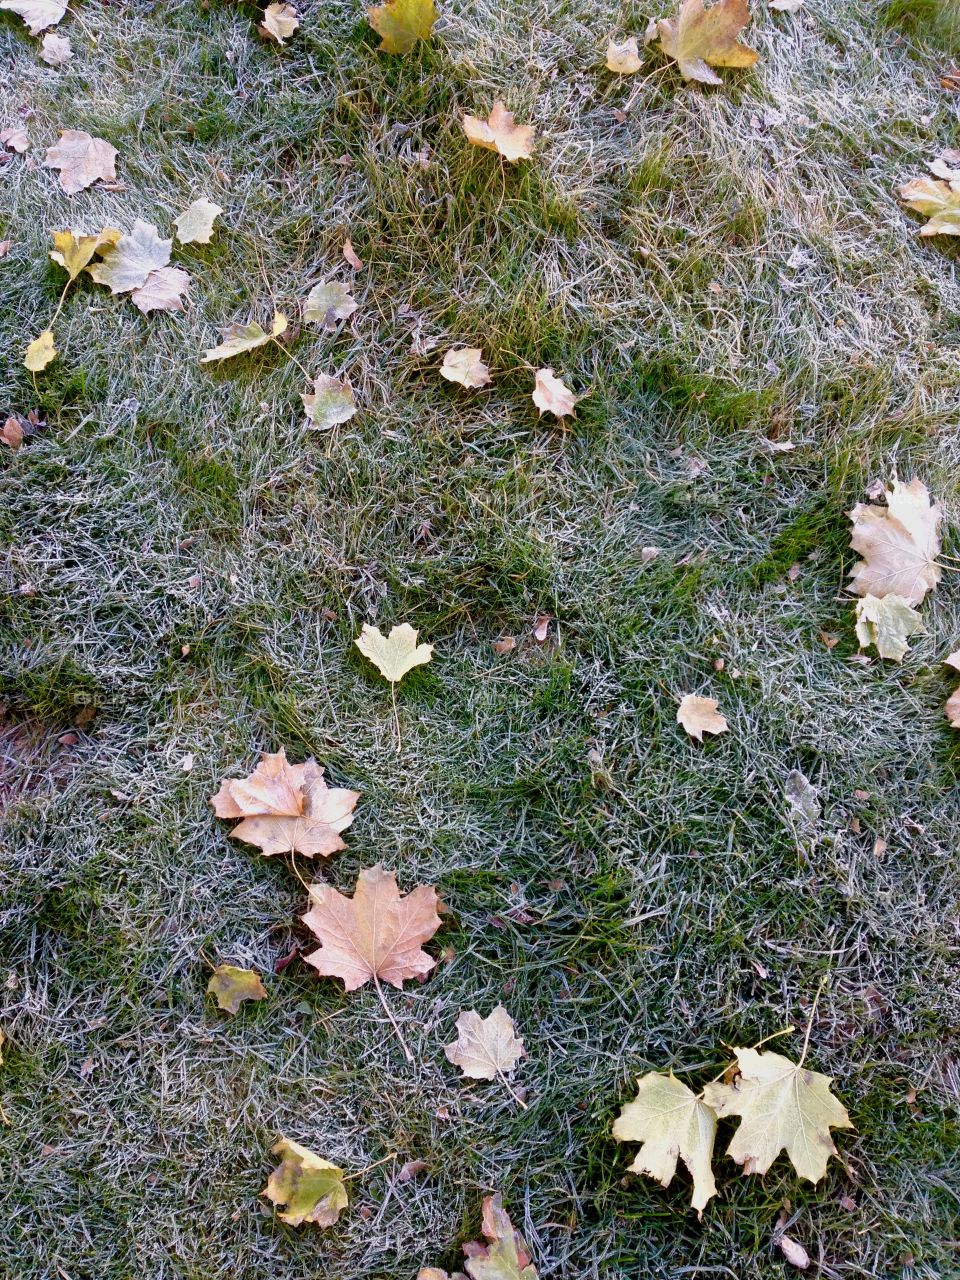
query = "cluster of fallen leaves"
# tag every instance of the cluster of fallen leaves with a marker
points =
(39, 16)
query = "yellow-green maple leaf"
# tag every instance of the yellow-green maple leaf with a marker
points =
(231, 986)
(393, 655)
(401, 23)
(312, 1188)
(672, 1123)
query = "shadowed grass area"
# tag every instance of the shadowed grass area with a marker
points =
(718, 274)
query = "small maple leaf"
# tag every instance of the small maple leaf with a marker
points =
(939, 201)
(37, 14)
(195, 224)
(15, 140)
(40, 352)
(783, 1107)
(280, 21)
(73, 250)
(331, 402)
(899, 544)
(328, 303)
(699, 716)
(624, 59)
(888, 623)
(162, 290)
(465, 366)
(126, 263)
(552, 395)
(505, 1256)
(396, 654)
(55, 50)
(312, 1188)
(698, 38)
(240, 338)
(82, 160)
(499, 133)
(673, 1123)
(485, 1047)
(231, 986)
(401, 23)
(287, 808)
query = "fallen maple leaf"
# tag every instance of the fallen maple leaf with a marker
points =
(672, 1122)
(505, 1256)
(552, 395)
(126, 263)
(485, 1047)
(40, 352)
(312, 1188)
(11, 434)
(465, 366)
(14, 140)
(401, 23)
(699, 716)
(396, 654)
(37, 14)
(55, 50)
(163, 290)
(698, 38)
(280, 21)
(73, 250)
(82, 160)
(286, 808)
(888, 623)
(499, 133)
(899, 544)
(328, 303)
(624, 59)
(939, 201)
(331, 402)
(240, 338)
(195, 224)
(783, 1106)
(231, 986)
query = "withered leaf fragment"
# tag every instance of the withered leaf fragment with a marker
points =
(888, 623)
(552, 395)
(624, 59)
(505, 1256)
(312, 1188)
(73, 250)
(465, 366)
(230, 986)
(55, 50)
(280, 21)
(241, 338)
(195, 224)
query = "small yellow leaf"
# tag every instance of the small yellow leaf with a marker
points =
(239, 338)
(672, 1123)
(396, 654)
(465, 366)
(195, 224)
(699, 716)
(40, 352)
(551, 395)
(312, 1188)
(499, 133)
(327, 303)
(401, 23)
(698, 38)
(624, 59)
(231, 986)
(74, 249)
(280, 21)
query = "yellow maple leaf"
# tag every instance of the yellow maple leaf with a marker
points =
(73, 250)
(230, 986)
(698, 38)
(699, 716)
(396, 654)
(239, 338)
(40, 352)
(499, 133)
(312, 1188)
(401, 23)
(940, 201)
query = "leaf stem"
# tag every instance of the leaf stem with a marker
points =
(813, 1013)
(396, 714)
(348, 1177)
(512, 1092)
(393, 1022)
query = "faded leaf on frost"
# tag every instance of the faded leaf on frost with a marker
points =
(887, 623)
(485, 1047)
(698, 38)
(793, 1250)
(700, 715)
(505, 1256)
(331, 402)
(499, 133)
(939, 201)
(14, 140)
(40, 352)
(195, 224)
(55, 50)
(624, 58)
(551, 395)
(37, 14)
(73, 250)
(396, 654)
(952, 706)
(899, 544)
(240, 338)
(673, 1124)
(375, 935)
(401, 23)
(286, 808)
(280, 21)
(328, 303)
(783, 1107)
(312, 1188)
(126, 264)
(82, 160)
(802, 796)
(465, 366)
(231, 986)
(163, 290)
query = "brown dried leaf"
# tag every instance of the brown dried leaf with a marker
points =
(499, 133)
(351, 255)
(11, 434)
(37, 14)
(280, 21)
(699, 716)
(899, 544)
(485, 1047)
(624, 59)
(82, 160)
(551, 395)
(162, 290)
(465, 366)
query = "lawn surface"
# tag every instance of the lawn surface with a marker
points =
(717, 273)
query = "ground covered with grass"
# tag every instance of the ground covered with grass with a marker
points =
(717, 273)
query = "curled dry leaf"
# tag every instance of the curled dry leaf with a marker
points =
(485, 1047)
(230, 986)
(505, 1255)
(887, 623)
(40, 352)
(162, 290)
(350, 254)
(698, 38)
(673, 1124)
(240, 338)
(331, 402)
(465, 366)
(700, 715)
(952, 707)
(401, 23)
(287, 808)
(793, 1250)
(14, 140)
(939, 201)
(37, 14)
(396, 654)
(82, 160)
(328, 303)
(375, 935)
(11, 434)
(499, 133)
(73, 250)
(312, 1188)
(195, 224)
(783, 1107)
(126, 263)
(551, 395)
(280, 21)
(55, 50)
(899, 544)
(624, 59)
